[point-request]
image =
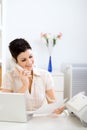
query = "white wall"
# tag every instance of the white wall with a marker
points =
(28, 18)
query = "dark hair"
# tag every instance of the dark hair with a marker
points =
(17, 46)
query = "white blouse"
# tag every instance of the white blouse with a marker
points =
(42, 81)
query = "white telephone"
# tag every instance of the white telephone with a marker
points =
(20, 68)
(78, 106)
(14, 64)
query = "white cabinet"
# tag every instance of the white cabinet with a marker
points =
(59, 84)
(2, 34)
(1, 31)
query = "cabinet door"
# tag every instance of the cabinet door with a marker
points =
(59, 96)
(58, 83)
(0, 13)
(0, 42)
(0, 31)
(2, 35)
(59, 86)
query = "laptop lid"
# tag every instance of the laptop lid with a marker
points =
(12, 107)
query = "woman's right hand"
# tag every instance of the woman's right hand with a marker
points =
(23, 74)
(59, 110)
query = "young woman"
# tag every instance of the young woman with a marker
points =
(37, 84)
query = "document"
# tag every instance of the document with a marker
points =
(49, 108)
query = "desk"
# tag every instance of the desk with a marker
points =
(45, 123)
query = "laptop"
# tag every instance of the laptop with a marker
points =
(13, 107)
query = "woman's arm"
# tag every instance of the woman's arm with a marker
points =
(8, 82)
(22, 89)
(51, 98)
(5, 90)
(50, 95)
(25, 80)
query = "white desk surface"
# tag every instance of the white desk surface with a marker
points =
(45, 123)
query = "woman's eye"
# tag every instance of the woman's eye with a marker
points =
(24, 60)
(30, 56)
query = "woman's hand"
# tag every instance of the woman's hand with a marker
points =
(24, 76)
(58, 110)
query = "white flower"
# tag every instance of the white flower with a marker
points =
(49, 38)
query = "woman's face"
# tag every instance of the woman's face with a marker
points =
(26, 59)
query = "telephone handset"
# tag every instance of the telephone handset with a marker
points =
(14, 64)
(78, 106)
(28, 73)
(19, 67)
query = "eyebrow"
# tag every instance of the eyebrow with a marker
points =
(22, 58)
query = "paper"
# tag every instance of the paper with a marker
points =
(49, 108)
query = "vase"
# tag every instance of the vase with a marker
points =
(50, 49)
(50, 64)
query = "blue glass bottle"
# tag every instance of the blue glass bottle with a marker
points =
(50, 64)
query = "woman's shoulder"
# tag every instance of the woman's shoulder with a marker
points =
(10, 73)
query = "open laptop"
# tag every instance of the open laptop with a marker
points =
(13, 107)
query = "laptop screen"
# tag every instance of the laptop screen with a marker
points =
(12, 107)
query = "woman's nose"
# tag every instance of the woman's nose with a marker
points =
(29, 61)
